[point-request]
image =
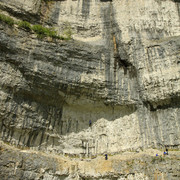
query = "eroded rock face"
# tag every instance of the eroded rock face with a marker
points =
(121, 71)
(28, 164)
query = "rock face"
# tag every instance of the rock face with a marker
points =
(17, 164)
(121, 71)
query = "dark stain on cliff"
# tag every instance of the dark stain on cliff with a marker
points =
(86, 8)
(55, 15)
(173, 102)
(178, 1)
(126, 65)
(120, 53)
(178, 6)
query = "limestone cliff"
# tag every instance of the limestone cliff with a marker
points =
(120, 70)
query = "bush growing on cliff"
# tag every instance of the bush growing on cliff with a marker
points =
(67, 31)
(46, 32)
(38, 29)
(7, 19)
(25, 25)
(43, 31)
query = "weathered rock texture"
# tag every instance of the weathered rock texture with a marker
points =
(17, 164)
(121, 71)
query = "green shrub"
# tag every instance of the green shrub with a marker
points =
(60, 37)
(43, 31)
(38, 29)
(52, 33)
(25, 25)
(7, 19)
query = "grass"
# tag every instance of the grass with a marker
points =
(40, 30)
(24, 25)
(8, 20)
(46, 32)
(43, 32)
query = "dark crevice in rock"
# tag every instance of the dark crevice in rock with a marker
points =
(127, 66)
(178, 1)
(119, 49)
(174, 102)
(42, 137)
(178, 6)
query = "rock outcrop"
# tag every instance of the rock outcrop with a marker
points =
(28, 164)
(120, 70)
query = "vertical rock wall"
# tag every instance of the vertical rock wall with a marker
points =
(121, 71)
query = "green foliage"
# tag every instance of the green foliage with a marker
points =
(25, 25)
(44, 32)
(38, 29)
(60, 37)
(7, 19)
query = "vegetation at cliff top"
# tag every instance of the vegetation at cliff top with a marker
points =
(45, 32)
(38, 29)
(7, 19)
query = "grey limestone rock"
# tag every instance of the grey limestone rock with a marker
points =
(120, 70)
